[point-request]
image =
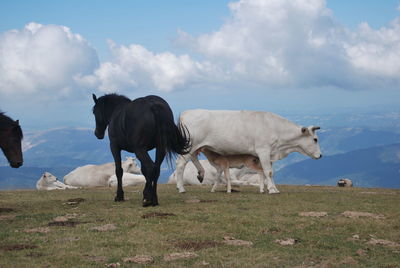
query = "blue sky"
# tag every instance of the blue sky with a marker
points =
(283, 56)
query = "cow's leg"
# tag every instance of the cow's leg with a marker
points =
(228, 180)
(116, 152)
(218, 178)
(181, 162)
(200, 169)
(266, 165)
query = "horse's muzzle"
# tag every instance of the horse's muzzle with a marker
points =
(16, 164)
(100, 136)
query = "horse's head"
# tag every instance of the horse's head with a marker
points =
(99, 115)
(10, 143)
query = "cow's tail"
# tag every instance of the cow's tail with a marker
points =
(173, 138)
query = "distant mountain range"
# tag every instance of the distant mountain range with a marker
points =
(59, 151)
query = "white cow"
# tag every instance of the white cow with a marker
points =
(98, 175)
(128, 179)
(242, 176)
(190, 174)
(262, 134)
(50, 182)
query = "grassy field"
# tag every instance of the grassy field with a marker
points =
(86, 228)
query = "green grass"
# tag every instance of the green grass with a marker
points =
(246, 215)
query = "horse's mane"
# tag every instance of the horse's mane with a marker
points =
(114, 97)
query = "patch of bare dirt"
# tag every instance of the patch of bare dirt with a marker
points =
(348, 261)
(35, 254)
(42, 230)
(113, 265)
(317, 214)
(286, 242)
(7, 217)
(157, 214)
(60, 219)
(104, 228)
(208, 201)
(362, 253)
(68, 239)
(96, 258)
(139, 259)
(229, 240)
(180, 256)
(6, 210)
(14, 247)
(358, 214)
(74, 201)
(192, 200)
(196, 245)
(383, 242)
(78, 200)
(65, 223)
(272, 230)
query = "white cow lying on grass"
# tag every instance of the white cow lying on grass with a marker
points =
(128, 179)
(267, 136)
(242, 176)
(98, 175)
(50, 182)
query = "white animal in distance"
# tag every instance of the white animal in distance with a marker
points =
(50, 182)
(128, 179)
(98, 175)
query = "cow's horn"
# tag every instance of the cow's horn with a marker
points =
(315, 128)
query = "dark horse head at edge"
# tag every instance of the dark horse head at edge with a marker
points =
(139, 126)
(10, 140)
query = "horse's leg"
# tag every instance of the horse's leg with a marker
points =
(116, 152)
(160, 155)
(149, 170)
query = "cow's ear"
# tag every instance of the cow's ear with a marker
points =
(94, 98)
(304, 130)
(17, 122)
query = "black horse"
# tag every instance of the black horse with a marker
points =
(139, 126)
(10, 140)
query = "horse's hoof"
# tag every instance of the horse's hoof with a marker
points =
(147, 203)
(119, 199)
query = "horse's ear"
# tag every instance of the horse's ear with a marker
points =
(94, 98)
(17, 122)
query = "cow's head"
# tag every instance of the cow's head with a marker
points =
(49, 178)
(308, 142)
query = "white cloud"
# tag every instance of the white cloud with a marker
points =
(269, 43)
(135, 66)
(265, 43)
(43, 60)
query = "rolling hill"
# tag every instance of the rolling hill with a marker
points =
(61, 150)
(371, 167)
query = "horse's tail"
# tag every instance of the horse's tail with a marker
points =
(174, 139)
